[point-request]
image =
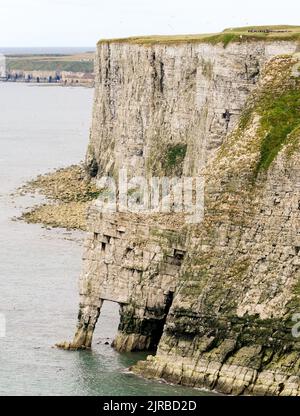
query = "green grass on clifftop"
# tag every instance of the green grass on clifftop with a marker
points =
(240, 34)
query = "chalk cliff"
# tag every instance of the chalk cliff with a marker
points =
(214, 299)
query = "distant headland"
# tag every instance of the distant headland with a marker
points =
(69, 69)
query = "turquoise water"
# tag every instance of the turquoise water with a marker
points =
(42, 128)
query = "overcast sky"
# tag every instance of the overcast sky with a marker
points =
(83, 22)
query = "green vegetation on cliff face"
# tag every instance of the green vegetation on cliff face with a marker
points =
(278, 105)
(175, 155)
(167, 159)
(280, 117)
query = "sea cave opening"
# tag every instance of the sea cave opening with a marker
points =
(115, 317)
(108, 323)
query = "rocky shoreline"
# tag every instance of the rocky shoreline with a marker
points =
(68, 195)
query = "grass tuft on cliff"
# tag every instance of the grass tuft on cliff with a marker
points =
(175, 155)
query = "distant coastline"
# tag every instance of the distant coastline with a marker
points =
(53, 50)
(55, 68)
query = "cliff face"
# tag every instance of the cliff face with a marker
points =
(151, 98)
(230, 325)
(216, 299)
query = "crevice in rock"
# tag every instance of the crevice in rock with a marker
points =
(227, 116)
(108, 68)
(92, 168)
(157, 333)
(162, 75)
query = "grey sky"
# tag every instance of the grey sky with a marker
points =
(83, 22)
